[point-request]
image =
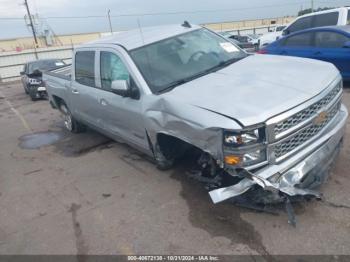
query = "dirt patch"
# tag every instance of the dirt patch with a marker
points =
(82, 248)
(81, 144)
(217, 219)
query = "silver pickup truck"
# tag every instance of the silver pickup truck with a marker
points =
(272, 123)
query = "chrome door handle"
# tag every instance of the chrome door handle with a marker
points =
(103, 102)
(75, 91)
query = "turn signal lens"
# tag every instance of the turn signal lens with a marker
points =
(232, 160)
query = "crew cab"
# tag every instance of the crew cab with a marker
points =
(269, 122)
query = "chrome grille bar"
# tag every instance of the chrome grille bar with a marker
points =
(307, 112)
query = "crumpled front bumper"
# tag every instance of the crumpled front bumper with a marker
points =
(299, 174)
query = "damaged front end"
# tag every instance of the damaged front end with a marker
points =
(298, 175)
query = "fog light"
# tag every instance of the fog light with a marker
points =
(232, 160)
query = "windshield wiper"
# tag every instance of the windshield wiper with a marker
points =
(175, 84)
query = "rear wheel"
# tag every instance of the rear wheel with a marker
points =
(70, 123)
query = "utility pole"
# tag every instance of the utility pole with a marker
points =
(109, 20)
(31, 25)
(312, 6)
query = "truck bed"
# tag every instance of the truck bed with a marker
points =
(62, 72)
(57, 83)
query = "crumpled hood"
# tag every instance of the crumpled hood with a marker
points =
(257, 87)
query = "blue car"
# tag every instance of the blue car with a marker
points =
(331, 44)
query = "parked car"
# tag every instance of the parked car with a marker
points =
(332, 17)
(254, 39)
(247, 46)
(247, 42)
(330, 44)
(32, 76)
(273, 35)
(269, 123)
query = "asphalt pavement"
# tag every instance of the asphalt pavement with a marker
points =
(63, 193)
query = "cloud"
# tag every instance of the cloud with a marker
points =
(12, 8)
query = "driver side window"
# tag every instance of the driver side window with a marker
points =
(112, 68)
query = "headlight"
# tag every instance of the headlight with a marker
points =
(244, 138)
(245, 148)
(34, 81)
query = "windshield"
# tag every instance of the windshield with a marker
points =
(182, 58)
(280, 28)
(45, 65)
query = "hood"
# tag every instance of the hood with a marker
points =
(258, 87)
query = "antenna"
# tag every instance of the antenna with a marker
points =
(141, 33)
(109, 20)
(186, 24)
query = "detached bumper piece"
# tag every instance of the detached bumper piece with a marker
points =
(298, 176)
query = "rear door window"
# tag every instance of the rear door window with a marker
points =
(326, 19)
(330, 40)
(302, 40)
(85, 68)
(348, 21)
(301, 24)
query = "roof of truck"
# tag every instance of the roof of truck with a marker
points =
(143, 36)
(344, 28)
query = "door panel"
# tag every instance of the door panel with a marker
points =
(122, 116)
(84, 94)
(298, 45)
(329, 47)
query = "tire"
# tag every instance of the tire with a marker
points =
(161, 161)
(33, 96)
(70, 123)
(25, 90)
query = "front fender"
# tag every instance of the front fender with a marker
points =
(194, 125)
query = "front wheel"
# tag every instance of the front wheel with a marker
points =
(25, 89)
(70, 123)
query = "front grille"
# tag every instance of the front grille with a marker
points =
(307, 112)
(287, 146)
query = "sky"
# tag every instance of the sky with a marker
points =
(79, 16)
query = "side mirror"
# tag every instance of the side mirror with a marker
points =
(285, 32)
(346, 44)
(22, 73)
(121, 87)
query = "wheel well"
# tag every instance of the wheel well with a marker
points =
(58, 101)
(172, 147)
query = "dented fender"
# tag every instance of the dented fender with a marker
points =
(192, 124)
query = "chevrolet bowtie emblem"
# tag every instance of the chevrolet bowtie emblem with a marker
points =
(321, 118)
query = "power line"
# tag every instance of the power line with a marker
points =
(172, 13)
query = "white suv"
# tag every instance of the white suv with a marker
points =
(338, 16)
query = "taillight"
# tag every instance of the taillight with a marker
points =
(262, 51)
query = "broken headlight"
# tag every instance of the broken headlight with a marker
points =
(245, 148)
(244, 138)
